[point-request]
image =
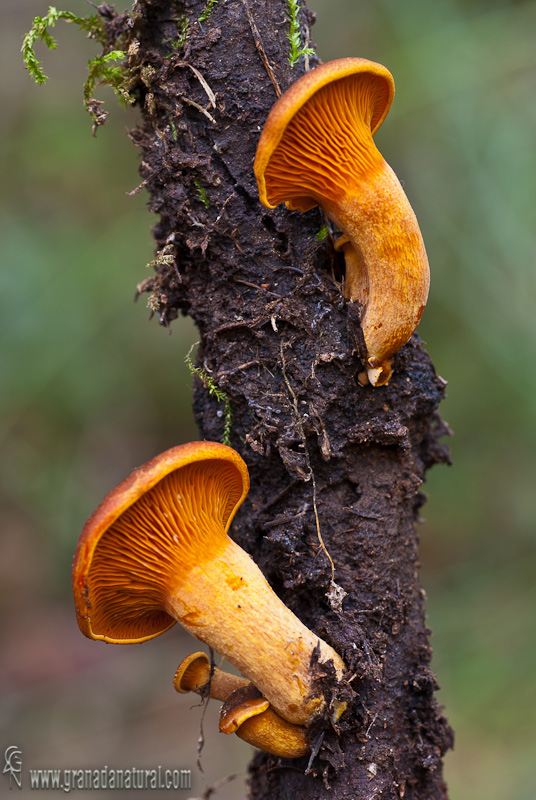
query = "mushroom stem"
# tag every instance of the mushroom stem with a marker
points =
(273, 734)
(386, 265)
(239, 615)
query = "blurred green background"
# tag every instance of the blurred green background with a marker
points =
(91, 387)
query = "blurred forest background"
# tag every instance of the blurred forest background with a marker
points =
(91, 387)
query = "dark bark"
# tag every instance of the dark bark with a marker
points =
(277, 337)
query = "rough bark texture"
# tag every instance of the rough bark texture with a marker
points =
(277, 337)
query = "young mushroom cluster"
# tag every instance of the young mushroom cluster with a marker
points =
(245, 711)
(156, 552)
(316, 148)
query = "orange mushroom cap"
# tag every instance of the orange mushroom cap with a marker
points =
(119, 580)
(194, 675)
(335, 107)
(247, 713)
(240, 705)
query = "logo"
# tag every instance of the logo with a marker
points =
(13, 765)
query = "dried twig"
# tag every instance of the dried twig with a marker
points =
(199, 108)
(210, 94)
(336, 593)
(260, 48)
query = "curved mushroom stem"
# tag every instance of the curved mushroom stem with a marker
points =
(386, 264)
(239, 615)
(273, 734)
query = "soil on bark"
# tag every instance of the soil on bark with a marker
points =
(330, 461)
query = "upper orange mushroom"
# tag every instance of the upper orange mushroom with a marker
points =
(316, 148)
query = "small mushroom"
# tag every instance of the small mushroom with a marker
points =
(245, 711)
(242, 704)
(156, 552)
(193, 675)
(316, 148)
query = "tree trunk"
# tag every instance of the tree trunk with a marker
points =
(329, 460)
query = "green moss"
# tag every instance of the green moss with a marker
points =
(214, 391)
(39, 32)
(208, 8)
(183, 28)
(183, 33)
(202, 194)
(322, 234)
(102, 70)
(164, 258)
(296, 49)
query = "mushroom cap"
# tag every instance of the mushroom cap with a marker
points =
(328, 109)
(193, 673)
(241, 704)
(118, 578)
(248, 714)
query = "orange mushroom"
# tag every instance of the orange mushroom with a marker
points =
(316, 148)
(245, 714)
(242, 704)
(245, 711)
(156, 552)
(193, 675)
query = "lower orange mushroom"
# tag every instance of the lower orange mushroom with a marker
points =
(156, 552)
